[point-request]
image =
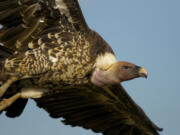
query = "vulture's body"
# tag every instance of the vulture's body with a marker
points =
(51, 55)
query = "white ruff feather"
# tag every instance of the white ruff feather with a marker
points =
(105, 61)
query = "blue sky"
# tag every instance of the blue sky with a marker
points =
(145, 32)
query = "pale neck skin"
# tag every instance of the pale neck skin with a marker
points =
(101, 78)
(117, 73)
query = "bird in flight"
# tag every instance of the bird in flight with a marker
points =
(49, 54)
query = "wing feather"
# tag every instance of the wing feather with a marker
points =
(111, 113)
(72, 10)
(24, 20)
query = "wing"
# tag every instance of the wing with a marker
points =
(24, 20)
(110, 110)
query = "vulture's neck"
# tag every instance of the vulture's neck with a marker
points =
(102, 65)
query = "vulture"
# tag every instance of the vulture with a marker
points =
(49, 54)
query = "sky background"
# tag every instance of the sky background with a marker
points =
(145, 32)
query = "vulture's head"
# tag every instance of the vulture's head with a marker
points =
(116, 73)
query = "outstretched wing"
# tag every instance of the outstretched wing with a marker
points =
(24, 20)
(110, 110)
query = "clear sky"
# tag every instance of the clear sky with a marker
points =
(145, 32)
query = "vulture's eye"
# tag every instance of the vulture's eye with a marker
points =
(126, 67)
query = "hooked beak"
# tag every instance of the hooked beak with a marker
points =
(142, 72)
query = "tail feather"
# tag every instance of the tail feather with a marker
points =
(18, 106)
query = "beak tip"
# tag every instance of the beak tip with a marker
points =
(143, 72)
(146, 76)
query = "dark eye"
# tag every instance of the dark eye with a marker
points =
(127, 67)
